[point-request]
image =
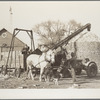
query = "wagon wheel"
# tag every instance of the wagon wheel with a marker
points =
(78, 71)
(91, 69)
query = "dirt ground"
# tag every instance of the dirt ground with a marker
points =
(83, 82)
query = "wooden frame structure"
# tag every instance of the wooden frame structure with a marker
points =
(15, 32)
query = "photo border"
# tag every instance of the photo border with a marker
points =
(29, 93)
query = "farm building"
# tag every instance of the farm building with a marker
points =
(86, 45)
(5, 42)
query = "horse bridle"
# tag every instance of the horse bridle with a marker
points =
(46, 57)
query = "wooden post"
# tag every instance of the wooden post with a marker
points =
(15, 63)
(24, 62)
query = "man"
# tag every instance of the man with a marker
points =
(65, 73)
(25, 52)
(72, 66)
(64, 53)
(47, 73)
(87, 61)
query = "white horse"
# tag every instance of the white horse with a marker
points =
(41, 61)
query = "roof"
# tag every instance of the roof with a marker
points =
(4, 30)
(86, 37)
(89, 37)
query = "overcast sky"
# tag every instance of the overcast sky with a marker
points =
(27, 14)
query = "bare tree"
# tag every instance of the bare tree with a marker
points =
(72, 26)
(51, 32)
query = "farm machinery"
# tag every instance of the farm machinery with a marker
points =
(91, 68)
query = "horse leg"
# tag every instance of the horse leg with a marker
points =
(48, 79)
(41, 73)
(31, 75)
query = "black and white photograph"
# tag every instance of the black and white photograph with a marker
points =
(50, 45)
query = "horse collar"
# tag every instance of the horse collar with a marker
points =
(45, 57)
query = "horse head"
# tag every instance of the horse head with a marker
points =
(50, 56)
